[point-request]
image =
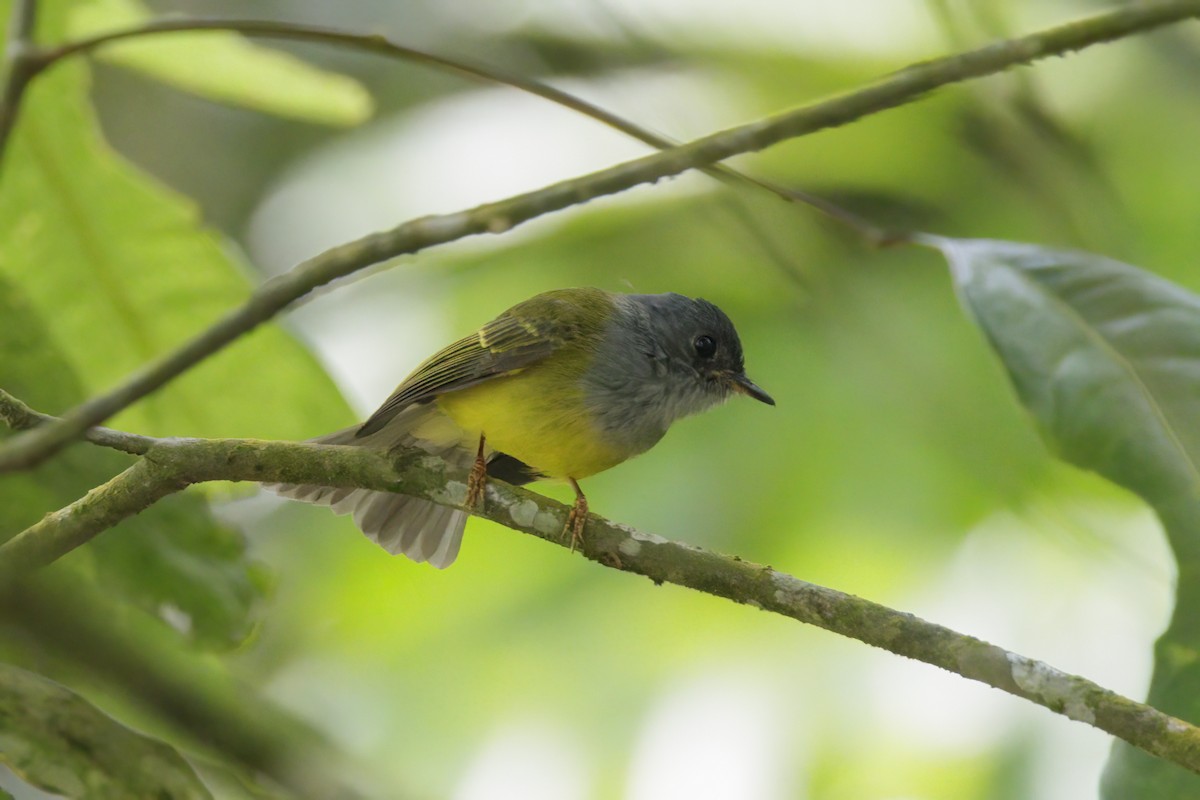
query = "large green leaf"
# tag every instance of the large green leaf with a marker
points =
(1105, 356)
(122, 269)
(56, 740)
(100, 268)
(173, 558)
(1107, 359)
(216, 65)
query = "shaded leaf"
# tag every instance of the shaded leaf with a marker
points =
(225, 67)
(57, 741)
(194, 703)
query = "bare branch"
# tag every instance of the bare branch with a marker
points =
(273, 296)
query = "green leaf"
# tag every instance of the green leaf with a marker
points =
(225, 67)
(100, 270)
(1107, 359)
(121, 270)
(1105, 356)
(172, 559)
(59, 742)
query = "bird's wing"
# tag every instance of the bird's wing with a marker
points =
(518, 338)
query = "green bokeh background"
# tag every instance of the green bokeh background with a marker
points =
(897, 465)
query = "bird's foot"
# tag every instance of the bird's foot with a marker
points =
(577, 519)
(477, 480)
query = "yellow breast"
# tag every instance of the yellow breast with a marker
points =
(537, 416)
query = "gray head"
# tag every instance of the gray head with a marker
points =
(665, 356)
(699, 343)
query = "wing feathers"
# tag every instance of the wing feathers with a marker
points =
(508, 343)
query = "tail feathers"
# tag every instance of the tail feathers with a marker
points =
(400, 524)
(419, 529)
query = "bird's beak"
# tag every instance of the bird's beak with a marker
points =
(743, 385)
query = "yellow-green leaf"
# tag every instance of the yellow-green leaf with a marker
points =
(225, 67)
(122, 270)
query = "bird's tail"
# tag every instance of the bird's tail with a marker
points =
(417, 528)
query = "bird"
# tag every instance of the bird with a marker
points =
(564, 385)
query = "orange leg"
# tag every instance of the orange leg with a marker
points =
(477, 480)
(577, 519)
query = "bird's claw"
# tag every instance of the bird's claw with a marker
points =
(576, 521)
(477, 480)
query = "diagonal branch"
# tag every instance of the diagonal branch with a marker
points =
(30, 448)
(171, 464)
(381, 45)
(18, 65)
(462, 68)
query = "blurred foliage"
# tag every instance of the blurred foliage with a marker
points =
(898, 465)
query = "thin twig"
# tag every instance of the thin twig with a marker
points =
(32, 447)
(476, 72)
(21, 417)
(24, 20)
(172, 464)
(19, 66)
(462, 68)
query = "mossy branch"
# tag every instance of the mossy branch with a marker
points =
(171, 464)
(29, 449)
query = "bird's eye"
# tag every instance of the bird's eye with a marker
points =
(705, 346)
